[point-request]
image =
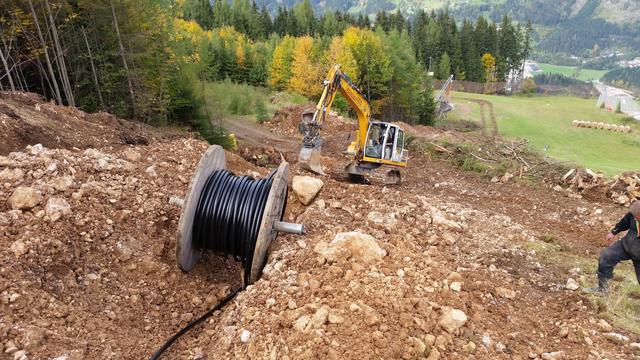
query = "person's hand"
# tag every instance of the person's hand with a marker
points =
(610, 238)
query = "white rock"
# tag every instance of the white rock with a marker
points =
(11, 175)
(617, 338)
(455, 286)
(36, 149)
(301, 323)
(24, 198)
(319, 318)
(383, 220)
(355, 245)
(93, 153)
(556, 355)
(131, 155)
(18, 248)
(245, 335)
(56, 207)
(604, 325)
(505, 293)
(306, 188)
(452, 319)
(571, 285)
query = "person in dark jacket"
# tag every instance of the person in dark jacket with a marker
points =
(627, 248)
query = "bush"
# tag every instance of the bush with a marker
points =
(262, 114)
(528, 86)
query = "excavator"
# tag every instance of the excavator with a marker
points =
(377, 146)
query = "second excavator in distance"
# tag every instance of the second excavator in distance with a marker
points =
(378, 149)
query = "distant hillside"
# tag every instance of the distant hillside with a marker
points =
(566, 26)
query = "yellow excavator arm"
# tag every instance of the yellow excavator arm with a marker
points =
(312, 123)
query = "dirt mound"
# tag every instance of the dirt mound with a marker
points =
(446, 266)
(26, 119)
(623, 189)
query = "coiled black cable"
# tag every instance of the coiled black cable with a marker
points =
(229, 214)
(227, 221)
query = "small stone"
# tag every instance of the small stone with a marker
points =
(301, 323)
(371, 317)
(470, 348)
(131, 155)
(306, 188)
(617, 338)
(455, 286)
(57, 207)
(321, 204)
(24, 198)
(556, 355)
(454, 276)
(452, 319)
(11, 347)
(291, 304)
(20, 355)
(505, 293)
(270, 302)
(13, 297)
(434, 355)
(355, 245)
(419, 345)
(564, 332)
(196, 301)
(635, 347)
(355, 307)
(604, 325)
(319, 318)
(571, 285)
(430, 339)
(18, 248)
(335, 318)
(245, 335)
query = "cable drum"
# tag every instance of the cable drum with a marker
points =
(229, 214)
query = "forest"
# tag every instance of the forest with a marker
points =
(149, 59)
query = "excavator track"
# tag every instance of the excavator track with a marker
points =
(382, 175)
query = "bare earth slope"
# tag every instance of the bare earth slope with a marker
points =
(99, 280)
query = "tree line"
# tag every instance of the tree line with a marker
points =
(149, 59)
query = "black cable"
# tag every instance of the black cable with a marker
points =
(227, 221)
(229, 214)
(202, 318)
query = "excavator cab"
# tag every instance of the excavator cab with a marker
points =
(385, 143)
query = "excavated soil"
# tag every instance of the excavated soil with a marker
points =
(100, 281)
(26, 119)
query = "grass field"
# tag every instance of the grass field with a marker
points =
(585, 74)
(546, 122)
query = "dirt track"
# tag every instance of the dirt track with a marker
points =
(490, 126)
(101, 281)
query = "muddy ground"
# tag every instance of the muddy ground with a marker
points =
(99, 280)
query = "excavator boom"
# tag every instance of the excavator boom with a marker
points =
(309, 158)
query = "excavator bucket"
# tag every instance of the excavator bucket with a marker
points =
(309, 159)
